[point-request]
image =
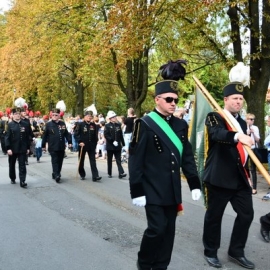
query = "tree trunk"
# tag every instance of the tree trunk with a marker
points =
(79, 89)
(259, 66)
(136, 82)
(259, 56)
(235, 31)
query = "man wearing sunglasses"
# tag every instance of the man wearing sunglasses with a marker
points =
(253, 132)
(158, 148)
(55, 135)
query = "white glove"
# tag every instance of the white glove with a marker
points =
(195, 194)
(115, 143)
(140, 201)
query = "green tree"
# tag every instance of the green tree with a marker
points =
(83, 51)
(256, 21)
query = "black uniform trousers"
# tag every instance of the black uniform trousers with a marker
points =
(265, 222)
(93, 165)
(22, 168)
(3, 145)
(57, 158)
(218, 198)
(117, 155)
(158, 239)
(253, 171)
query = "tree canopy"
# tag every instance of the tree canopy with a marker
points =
(109, 52)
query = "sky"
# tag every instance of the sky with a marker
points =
(4, 5)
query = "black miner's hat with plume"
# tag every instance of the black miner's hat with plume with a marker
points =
(171, 73)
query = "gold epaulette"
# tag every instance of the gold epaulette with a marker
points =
(212, 120)
(136, 132)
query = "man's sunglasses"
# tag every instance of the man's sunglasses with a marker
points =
(170, 99)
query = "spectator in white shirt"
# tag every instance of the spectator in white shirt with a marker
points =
(253, 132)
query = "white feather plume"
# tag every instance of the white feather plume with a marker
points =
(240, 73)
(19, 102)
(61, 106)
(91, 108)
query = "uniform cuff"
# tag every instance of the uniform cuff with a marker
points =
(231, 137)
(136, 190)
(194, 183)
(236, 137)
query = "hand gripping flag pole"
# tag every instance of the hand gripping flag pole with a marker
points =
(216, 107)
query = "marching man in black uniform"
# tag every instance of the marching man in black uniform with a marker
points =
(55, 134)
(86, 133)
(226, 179)
(2, 134)
(114, 143)
(31, 136)
(159, 147)
(18, 146)
(265, 227)
(20, 103)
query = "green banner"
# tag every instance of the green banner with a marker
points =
(197, 138)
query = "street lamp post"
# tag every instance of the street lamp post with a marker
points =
(14, 93)
(94, 96)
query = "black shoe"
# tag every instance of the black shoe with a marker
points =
(243, 261)
(96, 178)
(12, 181)
(121, 175)
(82, 177)
(265, 234)
(57, 179)
(23, 184)
(213, 261)
(109, 176)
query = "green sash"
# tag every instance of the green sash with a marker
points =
(168, 130)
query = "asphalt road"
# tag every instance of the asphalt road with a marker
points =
(85, 225)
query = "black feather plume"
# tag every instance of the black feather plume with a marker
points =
(173, 70)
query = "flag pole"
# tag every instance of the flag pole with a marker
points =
(216, 106)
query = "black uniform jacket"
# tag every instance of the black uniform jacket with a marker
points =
(2, 128)
(223, 167)
(113, 132)
(27, 121)
(88, 134)
(55, 134)
(154, 171)
(17, 137)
